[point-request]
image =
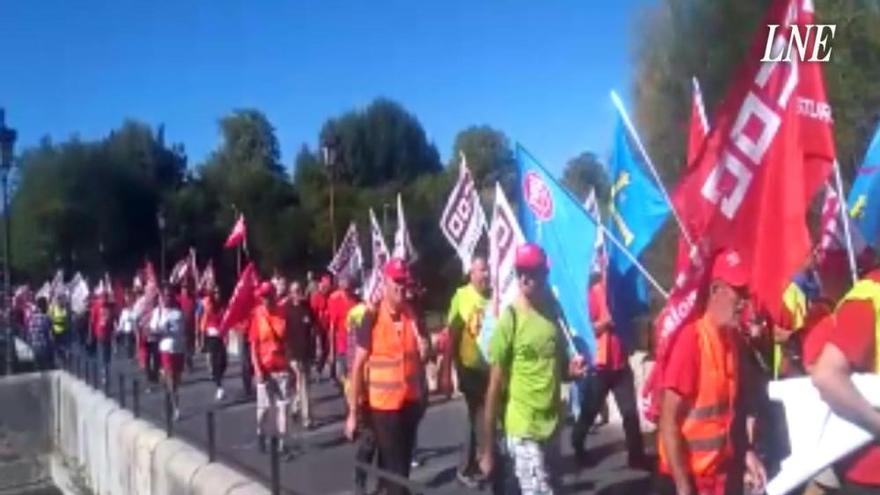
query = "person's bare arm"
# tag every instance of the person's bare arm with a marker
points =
(671, 414)
(831, 375)
(357, 379)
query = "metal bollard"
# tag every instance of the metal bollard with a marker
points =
(169, 428)
(136, 398)
(275, 465)
(121, 390)
(212, 444)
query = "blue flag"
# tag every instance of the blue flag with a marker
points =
(864, 197)
(556, 221)
(638, 210)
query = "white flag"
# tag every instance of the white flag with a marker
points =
(505, 235)
(45, 292)
(832, 233)
(403, 246)
(373, 285)
(463, 219)
(79, 295)
(348, 259)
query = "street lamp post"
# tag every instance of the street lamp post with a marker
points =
(160, 221)
(330, 150)
(7, 142)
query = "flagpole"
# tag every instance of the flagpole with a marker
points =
(632, 258)
(844, 217)
(618, 103)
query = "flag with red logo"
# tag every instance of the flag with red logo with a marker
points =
(770, 149)
(238, 234)
(463, 219)
(243, 298)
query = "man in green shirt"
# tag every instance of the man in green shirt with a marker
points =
(464, 321)
(529, 354)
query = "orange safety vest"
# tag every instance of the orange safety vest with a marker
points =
(267, 330)
(394, 362)
(707, 425)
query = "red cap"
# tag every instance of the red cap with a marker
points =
(325, 279)
(265, 289)
(396, 270)
(729, 268)
(530, 256)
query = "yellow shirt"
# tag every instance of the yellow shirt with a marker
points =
(465, 319)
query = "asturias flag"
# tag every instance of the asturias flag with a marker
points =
(556, 221)
(638, 210)
(864, 197)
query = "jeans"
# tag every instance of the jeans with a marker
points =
(473, 384)
(302, 399)
(151, 364)
(247, 367)
(217, 358)
(395, 437)
(595, 393)
(365, 452)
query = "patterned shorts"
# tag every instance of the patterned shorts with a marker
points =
(528, 462)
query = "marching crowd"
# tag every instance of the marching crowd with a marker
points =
(717, 432)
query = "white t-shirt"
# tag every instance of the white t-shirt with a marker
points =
(167, 324)
(127, 321)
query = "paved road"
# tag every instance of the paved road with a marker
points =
(322, 460)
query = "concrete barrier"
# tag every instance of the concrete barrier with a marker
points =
(59, 421)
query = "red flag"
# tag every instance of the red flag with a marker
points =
(238, 234)
(243, 300)
(770, 149)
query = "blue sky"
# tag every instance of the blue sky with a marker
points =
(539, 71)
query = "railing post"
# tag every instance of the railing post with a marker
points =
(169, 429)
(275, 464)
(121, 390)
(136, 398)
(212, 444)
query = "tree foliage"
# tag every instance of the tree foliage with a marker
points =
(585, 173)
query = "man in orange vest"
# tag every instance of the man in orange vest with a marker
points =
(852, 346)
(700, 393)
(268, 354)
(389, 343)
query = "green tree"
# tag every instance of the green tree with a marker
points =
(585, 173)
(380, 144)
(489, 157)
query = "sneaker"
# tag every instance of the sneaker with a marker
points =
(468, 481)
(220, 394)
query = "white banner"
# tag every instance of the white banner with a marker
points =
(348, 259)
(463, 219)
(403, 246)
(373, 285)
(505, 235)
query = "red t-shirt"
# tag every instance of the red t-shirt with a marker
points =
(819, 321)
(318, 303)
(188, 308)
(609, 348)
(338, 306)
(855, 336)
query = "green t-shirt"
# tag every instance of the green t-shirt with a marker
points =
(533, 356)
(465, 318)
